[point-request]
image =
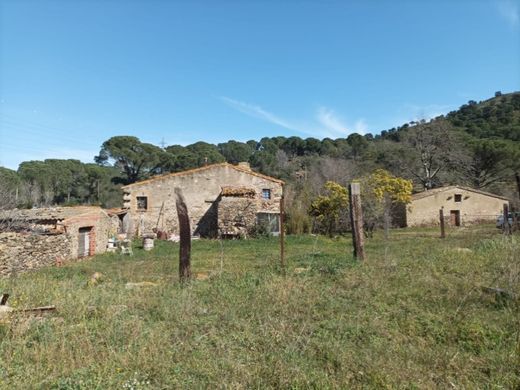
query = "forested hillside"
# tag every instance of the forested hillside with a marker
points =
(477, 145)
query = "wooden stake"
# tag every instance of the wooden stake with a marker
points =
(517, 178)
(516, 222)
(356, 218)
(282, 234)
(184, 235)
(441, 220)
(38, 310)
(505, 225)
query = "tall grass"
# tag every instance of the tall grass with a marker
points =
(416, 317)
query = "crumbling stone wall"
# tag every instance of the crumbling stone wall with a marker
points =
(236, 216)
(22, 252)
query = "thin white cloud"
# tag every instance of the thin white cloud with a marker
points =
(330, 121)
(510, 12)
(257, 112)
(335, 125)
(326, 122)
(361, 127)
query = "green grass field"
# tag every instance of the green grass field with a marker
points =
(413, 315)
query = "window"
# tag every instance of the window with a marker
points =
(269, 222)
(266, 193)
(458, 198)
(142, 203)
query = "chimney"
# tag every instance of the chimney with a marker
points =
(245, 165)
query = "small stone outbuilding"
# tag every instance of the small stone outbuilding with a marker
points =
(121, 221)
(33, 238)
(461, 205)
(223, 200)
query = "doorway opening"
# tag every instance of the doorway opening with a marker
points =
(85, 241)
(455, 217)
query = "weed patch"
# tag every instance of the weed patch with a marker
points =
(413, 315)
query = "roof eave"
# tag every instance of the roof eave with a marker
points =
(427, 194)
(194, 170)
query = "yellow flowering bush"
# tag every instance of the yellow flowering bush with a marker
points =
(384, 184)
(327, 208)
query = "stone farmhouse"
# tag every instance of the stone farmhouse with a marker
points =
(34, 238)
(223, 200)
(461, 205)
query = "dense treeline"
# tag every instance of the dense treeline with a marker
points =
(63, 182)
(477, 145)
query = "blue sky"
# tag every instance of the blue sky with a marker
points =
(75, 73)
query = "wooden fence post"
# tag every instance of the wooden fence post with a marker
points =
(441, 220)
(505, 225)
(184, 235)
(356, 219)
(517, 178)
(516, 222)
(282, 234)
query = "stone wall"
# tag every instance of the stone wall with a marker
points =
(473, 207)
(236, 216)
(201, 188)
(102, 229)
(22, 252)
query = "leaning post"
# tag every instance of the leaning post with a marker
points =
(441, 221)
(185, 237)
(356, 219)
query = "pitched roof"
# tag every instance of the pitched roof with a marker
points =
(428, 193)
(49, 213)
(196, 170)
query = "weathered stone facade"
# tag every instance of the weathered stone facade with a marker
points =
(44, 236)
(101, 229)
(236, 216)
(25, 251)
(461, 206)
(151, 203)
